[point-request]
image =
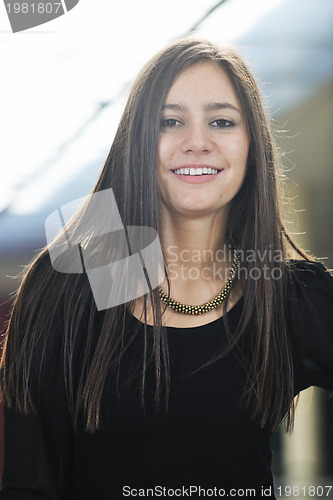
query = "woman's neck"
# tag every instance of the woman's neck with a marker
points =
(195, 242)
(198, 264)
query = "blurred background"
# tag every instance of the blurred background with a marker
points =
(63, 88)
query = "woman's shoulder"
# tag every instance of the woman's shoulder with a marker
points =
(310, 287)
(315, 268)
(310, 277)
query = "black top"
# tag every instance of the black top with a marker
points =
(205, 440)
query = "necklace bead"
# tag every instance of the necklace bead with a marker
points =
(211, 304)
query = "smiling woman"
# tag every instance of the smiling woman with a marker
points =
(181, 389)
(203, 145)
(202, 158)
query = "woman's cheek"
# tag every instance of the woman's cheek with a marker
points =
(238, 150)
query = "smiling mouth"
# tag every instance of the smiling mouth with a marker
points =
(196, 171)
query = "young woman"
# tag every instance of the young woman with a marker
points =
(183, 387)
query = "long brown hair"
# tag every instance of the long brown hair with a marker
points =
(47, 297)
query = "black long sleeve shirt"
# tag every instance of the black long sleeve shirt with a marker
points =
(206, 439)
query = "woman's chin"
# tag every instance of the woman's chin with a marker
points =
(195, 210)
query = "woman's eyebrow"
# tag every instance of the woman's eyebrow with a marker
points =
(212, 106)
(177, 107)
(215, 106)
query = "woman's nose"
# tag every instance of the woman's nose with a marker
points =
(197, 140)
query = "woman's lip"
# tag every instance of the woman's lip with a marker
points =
(197, 179)
(197, 165)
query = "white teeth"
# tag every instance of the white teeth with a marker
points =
(196, 171)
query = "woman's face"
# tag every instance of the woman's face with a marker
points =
(203, 143)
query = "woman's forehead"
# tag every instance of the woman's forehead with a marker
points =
(205, 81)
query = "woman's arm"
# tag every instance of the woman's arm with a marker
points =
(38, 445)
(37, 455)
(312, 311)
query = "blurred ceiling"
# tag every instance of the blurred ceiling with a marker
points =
(65, 94)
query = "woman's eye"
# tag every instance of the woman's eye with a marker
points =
(169, 123)
(222, 123)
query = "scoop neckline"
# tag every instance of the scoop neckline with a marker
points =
(198, 327)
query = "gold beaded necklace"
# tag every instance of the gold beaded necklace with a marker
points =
(208, 306)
